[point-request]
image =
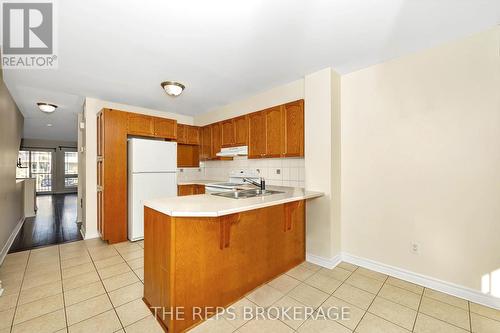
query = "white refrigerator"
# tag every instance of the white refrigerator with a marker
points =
(152, 173)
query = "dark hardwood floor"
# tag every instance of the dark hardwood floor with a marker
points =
(54, 223)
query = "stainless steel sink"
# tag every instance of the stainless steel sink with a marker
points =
(246, 194)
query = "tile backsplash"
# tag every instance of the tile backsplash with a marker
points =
(276, 171)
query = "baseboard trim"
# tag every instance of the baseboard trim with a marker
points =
(426, 281)
(323, 261)
(10, 240)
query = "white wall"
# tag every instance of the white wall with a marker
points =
(91, 108)
(421, 161)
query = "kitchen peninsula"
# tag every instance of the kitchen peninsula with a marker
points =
(206, 251)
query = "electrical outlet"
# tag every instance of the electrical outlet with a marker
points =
(278, 171)
(415, 248)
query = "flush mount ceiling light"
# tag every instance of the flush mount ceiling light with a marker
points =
(46, 107)
(173, 88)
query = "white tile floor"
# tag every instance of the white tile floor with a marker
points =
(89, 286)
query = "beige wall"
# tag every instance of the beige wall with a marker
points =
(323, 224)
(421, 161)
(89, 138)
(279, 95)
(11, 202)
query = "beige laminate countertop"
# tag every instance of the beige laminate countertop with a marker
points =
(207, 205)
(198, 182)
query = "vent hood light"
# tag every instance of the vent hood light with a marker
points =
(46, 107)
(173, 88)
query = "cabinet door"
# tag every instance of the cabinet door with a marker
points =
(185, 190)
(227, 133)
(256, 134)
(241, 131)
(293, 119)
(206, 143)
(140, 124)
(200, 189)
(165, 128)
(274, 132)
(100, 133)
(192, 135)
(216, 139)
(188, 156)
(181, 133)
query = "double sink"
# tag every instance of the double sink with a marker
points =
(244, 194)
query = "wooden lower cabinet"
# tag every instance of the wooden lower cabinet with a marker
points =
(214, 261)
(190, 189)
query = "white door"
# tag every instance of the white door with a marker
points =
(145, 186)
(152, 155)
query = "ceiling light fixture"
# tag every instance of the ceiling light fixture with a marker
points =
(49, 125)
(46, 107)
(173, 88)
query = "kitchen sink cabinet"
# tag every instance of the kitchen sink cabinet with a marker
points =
(214, 261)
(190, 189)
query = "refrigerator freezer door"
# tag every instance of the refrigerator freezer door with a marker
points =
(151, 156)
(145, 186)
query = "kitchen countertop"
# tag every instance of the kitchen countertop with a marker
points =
(207, 205)
(198, 182)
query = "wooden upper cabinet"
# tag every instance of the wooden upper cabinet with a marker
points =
(274, 132)
(206, 143)
(293, 121)
(181, 133)
(257, 134)
(227, 133)
(192, 135)
(140, 124)
(216, 139)
(240, 131)
(165, 128)
(187, 134)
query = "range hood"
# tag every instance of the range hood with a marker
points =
(233, 151)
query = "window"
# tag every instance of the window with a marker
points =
(38, 165)
(70, 169)
(23, 165)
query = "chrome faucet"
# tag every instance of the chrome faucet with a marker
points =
(261, 185)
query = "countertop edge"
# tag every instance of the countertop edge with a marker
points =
(157, 207)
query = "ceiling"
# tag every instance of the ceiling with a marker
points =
(222, 50)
